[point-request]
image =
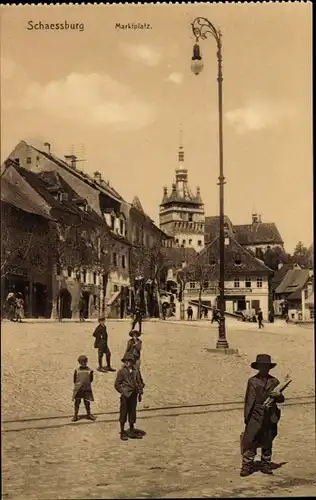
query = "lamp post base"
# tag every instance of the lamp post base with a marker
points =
(222, 344)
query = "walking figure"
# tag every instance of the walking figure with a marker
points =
(81, 308)
(261, 421)
(19, 307)
(215, 315)
(130, 385)
(101, 343)
(190, 313)
(11, 306)
(83, 378)
(260, 319)
(138, 317)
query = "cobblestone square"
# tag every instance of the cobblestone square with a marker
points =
(192, 413)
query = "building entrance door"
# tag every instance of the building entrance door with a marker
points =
(241, 304)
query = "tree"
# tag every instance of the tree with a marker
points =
(202, 273)
(146, 273)
(275, 256)
(81, 246)
(24, 241)
(303, 256)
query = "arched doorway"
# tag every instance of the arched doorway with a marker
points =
(64, 303)
(86, 299)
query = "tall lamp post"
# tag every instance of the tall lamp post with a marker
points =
(201, 28)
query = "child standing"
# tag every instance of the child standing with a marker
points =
(83, 378)
(134, 346)
(130, 385)
(101, 343)
(261, 421)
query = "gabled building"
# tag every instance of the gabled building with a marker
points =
(26, 259)
(258, 237)
(77, 242)
(291, 293)
(181, 212)
(246, 278)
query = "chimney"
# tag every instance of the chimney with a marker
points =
(71, 160)
(47, 146)
(254, 218)
(165, 191)
(174, 187)
(97, 177)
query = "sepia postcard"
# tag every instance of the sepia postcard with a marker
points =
(157, 254)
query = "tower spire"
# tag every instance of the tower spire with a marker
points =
(181, 151)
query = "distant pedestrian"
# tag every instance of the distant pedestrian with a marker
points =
(130, 385)
(11, 306)
(81, 308)
(101, 343)
(205, 313)
(215, 315)
(19, 307)
(261, 421)
(138, 318)
(164, 310)
(190, 313)
(83, 378)
(260, 318)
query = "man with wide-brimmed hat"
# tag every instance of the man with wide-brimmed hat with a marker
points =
(261, 422)
(130, 385)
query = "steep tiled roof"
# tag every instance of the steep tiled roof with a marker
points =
(137, 204)
(279, 275)
(258, 233)
(12, 195)
(104, 186)
(238, 261)
(295, 279)
(212, 227)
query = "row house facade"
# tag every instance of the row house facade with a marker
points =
(77, 243)
(26, 260)
(94, 196)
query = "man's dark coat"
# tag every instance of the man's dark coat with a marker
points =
(261, 424)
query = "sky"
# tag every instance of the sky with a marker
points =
(117, 98)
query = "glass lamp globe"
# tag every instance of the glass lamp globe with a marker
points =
(196, 66)
(196, 62)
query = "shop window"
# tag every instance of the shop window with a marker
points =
(236, 283)
(259, 282)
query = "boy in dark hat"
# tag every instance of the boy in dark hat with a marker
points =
(261, 421)
(83, 378)
(130, 385)
(101, 343)
(134, 346)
